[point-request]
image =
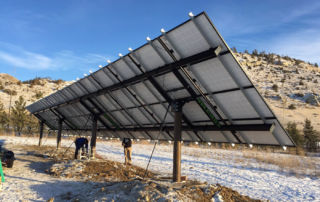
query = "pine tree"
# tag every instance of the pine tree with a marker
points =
(295, 134)
(19, 115)
(310, 135)
(255, 52)
(262, 54)
(31, 124)
(4, 119)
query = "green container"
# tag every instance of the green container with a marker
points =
(1, 172)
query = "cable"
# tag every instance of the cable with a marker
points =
(66, 150)
(155, 144)
(48, 133)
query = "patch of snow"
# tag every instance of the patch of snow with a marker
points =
(217, 198)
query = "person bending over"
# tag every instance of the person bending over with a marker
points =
(81, 143)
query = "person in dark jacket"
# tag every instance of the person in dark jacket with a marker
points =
(127, 143)
(81, 143)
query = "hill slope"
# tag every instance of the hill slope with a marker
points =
(291, 87)
(31, 90)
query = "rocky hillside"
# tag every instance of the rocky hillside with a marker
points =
(290, 86)
(30, 90)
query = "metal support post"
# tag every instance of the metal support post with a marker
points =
(59, 133)
(177, 109)
(41, 132)
(93, 136)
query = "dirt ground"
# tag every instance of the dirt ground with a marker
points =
(64, 179)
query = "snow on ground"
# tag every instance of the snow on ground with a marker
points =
(26, 181)
(226, 167)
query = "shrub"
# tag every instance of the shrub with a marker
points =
(299, 94)
(301, 83)
(19, 115)
(294, 133)
(297, 62)
(35, 81)
(292, 106)
(4, 118)
(58, 82)
(286, 57)
(39, 94)
(316, 64)
(13, 92)
(255, 52)
(310, 135)
(275, 87)
(262, 54)
(309, 101)
(10, 92)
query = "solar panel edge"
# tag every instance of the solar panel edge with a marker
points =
(206, 15)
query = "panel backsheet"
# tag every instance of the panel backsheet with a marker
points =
(214, 89)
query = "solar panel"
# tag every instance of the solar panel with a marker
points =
(190, 64)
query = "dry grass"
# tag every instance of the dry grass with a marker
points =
(293, 164)
(293, 161)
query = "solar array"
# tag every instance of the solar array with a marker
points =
(190, 65)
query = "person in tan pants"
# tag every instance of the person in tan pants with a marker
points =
(127, 143)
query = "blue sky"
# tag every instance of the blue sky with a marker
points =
(65, 39)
